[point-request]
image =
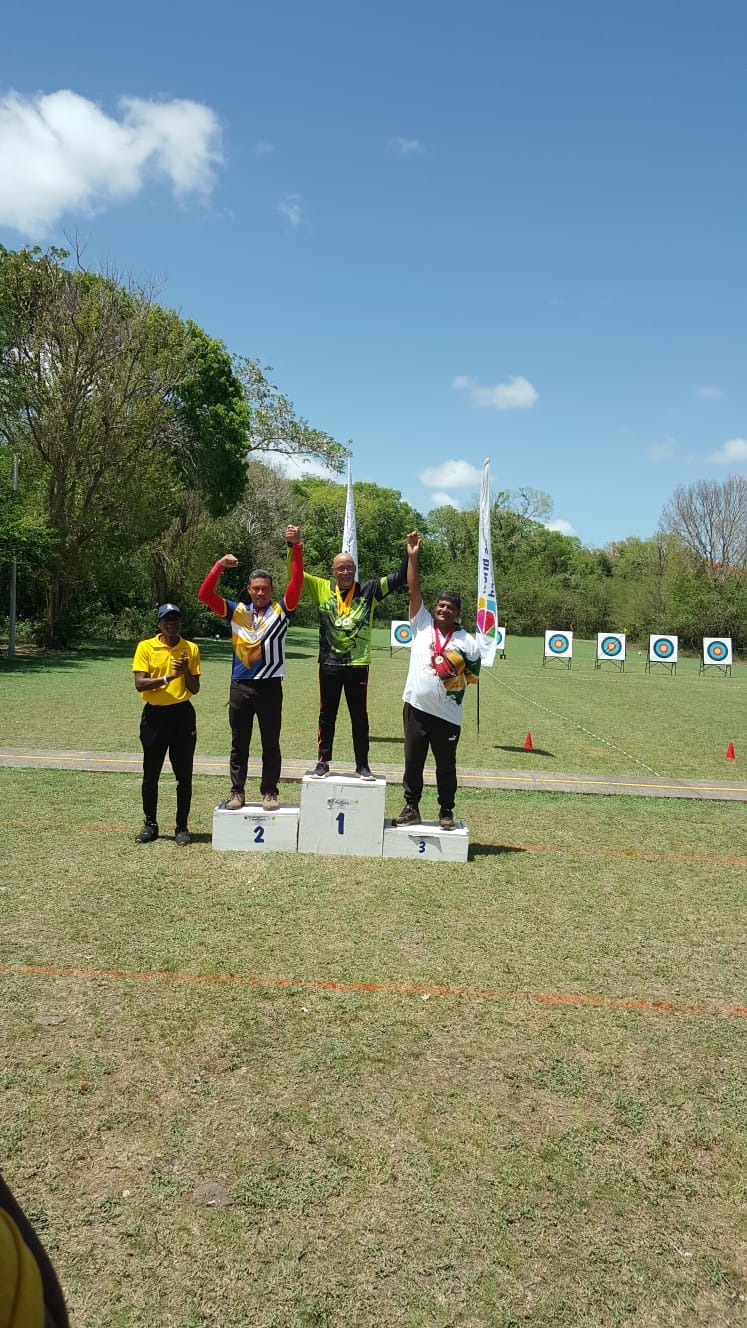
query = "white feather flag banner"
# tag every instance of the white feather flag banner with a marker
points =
(487, 605)
(349, 533)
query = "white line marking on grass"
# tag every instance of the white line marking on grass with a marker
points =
(596, 736)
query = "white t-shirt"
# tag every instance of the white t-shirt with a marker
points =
(424, 689)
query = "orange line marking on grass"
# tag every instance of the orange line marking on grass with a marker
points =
(649, 855)
(396, 988)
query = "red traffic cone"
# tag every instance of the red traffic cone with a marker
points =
(528, 745)
(730, 752)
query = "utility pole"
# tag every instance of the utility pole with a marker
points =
(13, 572)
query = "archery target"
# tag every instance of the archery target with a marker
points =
(611, 645)
(500, 638)
(662, 649)
(558, 645)
(717, 650)
(400, 634)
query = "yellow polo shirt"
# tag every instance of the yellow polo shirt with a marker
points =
(21, 1295)
(158, 660)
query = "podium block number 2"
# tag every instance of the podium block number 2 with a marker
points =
(259, 834)
(340, 818)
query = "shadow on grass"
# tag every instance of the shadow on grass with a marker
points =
(533, 751)
(493, 850)
(399, 740)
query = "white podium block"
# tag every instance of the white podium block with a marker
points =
(342, 815)
(252, 830)
(427, 842)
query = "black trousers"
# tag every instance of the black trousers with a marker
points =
(421, 732)
(172, 729)
(332, 683)
(264, 699)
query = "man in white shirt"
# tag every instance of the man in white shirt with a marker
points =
(444, 660)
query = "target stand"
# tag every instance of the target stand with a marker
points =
(662, 650)
(610, 650)
(558, 646)
(253, 830)
(400, 635)
(717, 655)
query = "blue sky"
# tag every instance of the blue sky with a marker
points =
(454, 231)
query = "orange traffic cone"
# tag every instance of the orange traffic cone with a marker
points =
(528, 745)
(730, 752)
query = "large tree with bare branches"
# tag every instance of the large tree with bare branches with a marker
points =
(711, 519)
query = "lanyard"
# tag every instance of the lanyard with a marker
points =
(439, 646)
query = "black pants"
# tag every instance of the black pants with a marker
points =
(172, 729)
(332, 683)
(421, 732)
(264, 699)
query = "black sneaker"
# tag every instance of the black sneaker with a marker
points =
(148, 833)
(321, 769)
(182, 838)
(408, 816)
(363, 772)
(446, 819)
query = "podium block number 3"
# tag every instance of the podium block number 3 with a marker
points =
(421, 846)
(340, 818)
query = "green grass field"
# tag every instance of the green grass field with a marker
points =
(582, 720)
(303, 1092)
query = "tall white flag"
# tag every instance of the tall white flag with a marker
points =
(349, 534)
(487, 605)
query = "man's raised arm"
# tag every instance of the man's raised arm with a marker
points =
(295, 584)
(206, 594)
(414, 540)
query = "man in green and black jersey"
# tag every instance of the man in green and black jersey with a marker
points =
(346, 609)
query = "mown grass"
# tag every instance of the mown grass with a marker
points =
(376, 1157)
(582, 720)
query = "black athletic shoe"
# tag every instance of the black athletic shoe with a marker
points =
(321, 769)
(446, 819)
(182, 838)
(148, 833)
(363, 772)
(408, 816)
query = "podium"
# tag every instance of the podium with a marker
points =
(253, 830)
(342, 815)
(427, 842)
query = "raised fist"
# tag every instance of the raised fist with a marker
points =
(228, 560)
(292, 534)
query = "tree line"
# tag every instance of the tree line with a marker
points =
(146, 450)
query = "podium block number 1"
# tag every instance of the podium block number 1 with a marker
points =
(340, 818)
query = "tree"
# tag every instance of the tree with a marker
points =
(88, 373)
(711, 519)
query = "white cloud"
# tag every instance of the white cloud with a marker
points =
(451, 475)
(516, 394)
(443, 500)
(709, 393)
(664, 451)
(405, 146)
(291, 209)
(557, 523)
(730, 453)
(294, 467)
(60, 153)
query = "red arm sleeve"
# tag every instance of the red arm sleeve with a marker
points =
(206, 594)
(295, 585)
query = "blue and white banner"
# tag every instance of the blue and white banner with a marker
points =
(487, 604)
(349, 533)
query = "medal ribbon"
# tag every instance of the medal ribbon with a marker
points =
(439, 646)
(343, 604)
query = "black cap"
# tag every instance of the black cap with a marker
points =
(168, 608)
